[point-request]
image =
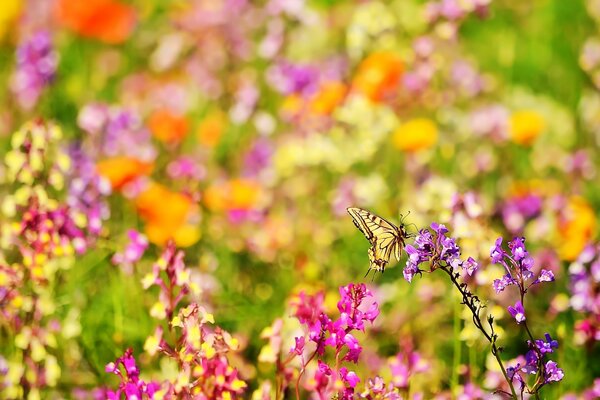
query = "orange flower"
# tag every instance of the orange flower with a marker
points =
(167, 126)
(167, 215)
(122, 170)
(106, 20)
(329, 96)
(236, 194)
(211, 128)
(378, 74)
(526, 126)
(416, 134)
(577, 229)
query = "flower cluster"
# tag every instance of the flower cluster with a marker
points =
(434, 247)
(36, 67)
(138, 243)
(518, 267)
(585, 294)
(131, 386)
(43, 227)
(324, 333)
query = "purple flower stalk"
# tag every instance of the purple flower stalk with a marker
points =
(36, 68)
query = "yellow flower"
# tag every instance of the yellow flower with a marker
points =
(9, 11)
(416, 134)
(526, 126)
(577, 229)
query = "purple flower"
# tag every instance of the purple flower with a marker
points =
(547, 346)
(470, 265)
(501, 284)
(553, 373)
(138, 243)
(544, 276)
(497, 253)
(36, 66)
(518, 312)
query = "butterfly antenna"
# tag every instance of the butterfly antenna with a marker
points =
(369, 270)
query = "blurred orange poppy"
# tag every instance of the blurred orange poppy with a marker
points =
(167, 214)
(526, 126)
(378, 74)
(167, 126)
(577, 229)
(416, 134)
(122, 170)
(211, 128)
(236, 194)
(329, 96)
(106, 20)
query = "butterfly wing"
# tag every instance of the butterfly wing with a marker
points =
(385, 237)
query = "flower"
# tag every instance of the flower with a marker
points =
(415, 135)
(168, 215)
(168, 126)
(518, 312)
(109, 21)
(9, 12)
(133, 252)
(576, 227)
(36, 67)
(328, 97)
(547, 346)
(553, 373)
(122, 170)
(211, 128)
(378, 75)
(526, 126)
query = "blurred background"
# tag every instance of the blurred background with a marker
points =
(243, 129)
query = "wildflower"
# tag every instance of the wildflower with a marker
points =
(415, 135)
(36, 67)
(329, 96)
(131, 385)
(123, 170)
(211, 128)
(576, 227)
(9, 12)
(168, 215)
(518, 312)
(470, 265)
(548, 345)
(553, 373)
(167, 126)
(526, 126)
(378, 75)
(134, 251)
(109, 21)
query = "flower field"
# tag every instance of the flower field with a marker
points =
(299, 199)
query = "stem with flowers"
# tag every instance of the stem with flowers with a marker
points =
(442, 252)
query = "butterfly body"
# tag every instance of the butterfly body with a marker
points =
(385, 238)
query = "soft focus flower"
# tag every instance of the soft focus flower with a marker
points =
(378, 75)
(327, 98)
(211, 128)
(167, 126)
(576, 227)
(122, 170)
(9, 11)
(168, 215)
(109, 21)
(526, 126)
(36, 66)
(416, 134)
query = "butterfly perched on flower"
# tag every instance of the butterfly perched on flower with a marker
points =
(385, 238)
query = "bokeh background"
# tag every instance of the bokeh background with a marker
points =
(243, 129)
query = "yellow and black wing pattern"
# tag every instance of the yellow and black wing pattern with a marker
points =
(385, 238)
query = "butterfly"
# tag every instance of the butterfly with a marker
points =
(385, 238)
